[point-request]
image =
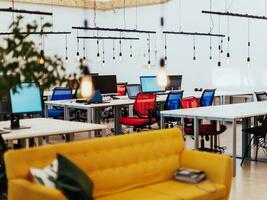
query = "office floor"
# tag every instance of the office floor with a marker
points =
(251, 179)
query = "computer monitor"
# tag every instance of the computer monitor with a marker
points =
(133, 90)
(107, 84)
(175, 82)
(25, 99)
(149, 84)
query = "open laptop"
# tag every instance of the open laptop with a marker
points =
(133, 90)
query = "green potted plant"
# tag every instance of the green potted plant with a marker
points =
(22, 61)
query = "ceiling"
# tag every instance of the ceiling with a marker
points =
(98, 4)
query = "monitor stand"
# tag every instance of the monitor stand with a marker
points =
(14, 118)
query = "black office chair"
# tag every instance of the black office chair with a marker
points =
(258, 139)
(261, 96)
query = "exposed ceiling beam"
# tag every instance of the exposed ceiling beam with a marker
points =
(90, 4)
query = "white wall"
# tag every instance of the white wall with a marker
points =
(180, 51)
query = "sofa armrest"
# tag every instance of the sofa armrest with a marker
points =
(219, 168)
(23, 189)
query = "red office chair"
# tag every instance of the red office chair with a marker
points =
(121, 89)
(209, 131)
(144, 108)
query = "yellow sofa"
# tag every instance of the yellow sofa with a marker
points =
(131, 167)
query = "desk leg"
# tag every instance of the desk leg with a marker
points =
(196, 130)
(246, 123)
(117, 116)
(234, 148)
(221, 100)
(66, 113)
(162, 121)
(46, 111)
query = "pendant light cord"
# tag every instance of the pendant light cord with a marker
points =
(124, 13)
(249, 38)
(180, 15)
(136, 12)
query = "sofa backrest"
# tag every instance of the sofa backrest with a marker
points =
(115, 164)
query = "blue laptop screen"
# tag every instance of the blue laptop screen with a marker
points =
(149, 84)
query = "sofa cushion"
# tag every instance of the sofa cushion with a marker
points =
(201, 191)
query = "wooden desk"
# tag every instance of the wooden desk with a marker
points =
(41, 127)
(228, 113)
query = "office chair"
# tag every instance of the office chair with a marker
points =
(59, 93)
(121, 89)
(205, 130)
(144, 108)
(258, 139)
(207, 97)
(257, 134)
(3, 178)
(172, 103)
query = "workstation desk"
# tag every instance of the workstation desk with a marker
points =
(43, 127)
(117, 104)
(226, 113)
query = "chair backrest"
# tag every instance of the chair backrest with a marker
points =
(190, 102)
(261, 96)
(121, 89)
(60, 93)
(207, 97)
(173, 100)
(144, 104)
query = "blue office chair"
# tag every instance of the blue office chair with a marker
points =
(173, 103)
(59, 93)
(207, 97)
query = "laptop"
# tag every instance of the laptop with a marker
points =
(133, 90)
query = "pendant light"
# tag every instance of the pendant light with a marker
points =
(103, 61)
(219, 45)
(228, 42)
(194, 49)
(98, 54)
(148, 52)
(210, 58)
(78, 53)
(87, 87)
(66, 48)
(42, 59)
(84, 52)
(113, 52)
(165, 47)
(120, 54)
(131, 49)
(162, 76)
(248, 58)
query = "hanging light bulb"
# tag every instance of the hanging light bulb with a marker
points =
(78, 53)
(194, 49)
(162, 76)
(41, 59)
(149, 64)
(78, 56)
(103, 61)
(248, 62)
(210, 59)
(228, 42)
(248, 58)
(228, 58)
(98, 54)
(113, 52)
(87, 87)
(120, 54)
(165, 58)
(66, 48)
(131, 50)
